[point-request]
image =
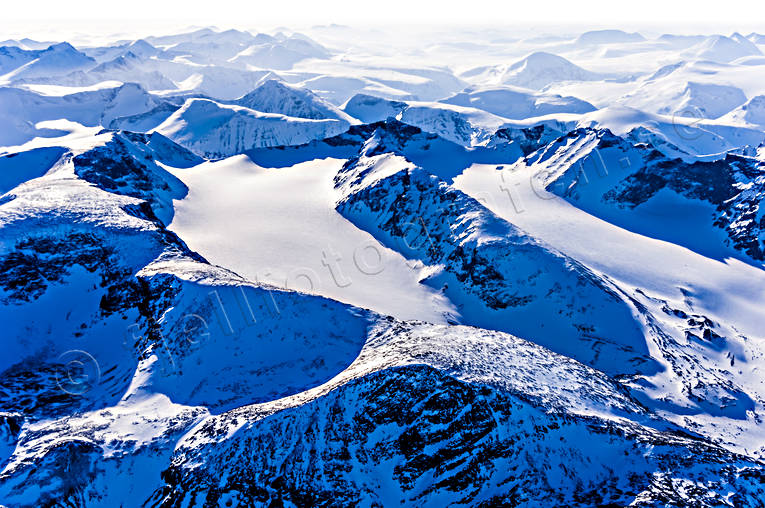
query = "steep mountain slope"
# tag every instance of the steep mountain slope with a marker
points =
(703, 314)
(223, 83)
(145, 122)
(675, 350)
(435, 153)
(270, 96)
(70, 253)
(17, 168)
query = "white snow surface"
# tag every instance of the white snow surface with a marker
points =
(279, 226)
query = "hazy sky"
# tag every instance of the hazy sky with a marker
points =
(56, 17)
(360, 11)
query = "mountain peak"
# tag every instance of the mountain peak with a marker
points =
(276, 96)
(61, 47)
(539, 69)
(542, 58)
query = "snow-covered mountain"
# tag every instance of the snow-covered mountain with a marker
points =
(273, 96)
(752, 112)
(213, 129)
(692, 99)
(720, 48)
(26, 43)
(608, 37)
(463, 125)
(514, 103)
(535, 71)
(241, 48)
(438, 437)
(756, 38)
(21, 110)
(58, 59)
(280, 52)
(376, 355)
(345, 268)
(469, 118)
(490, 270)
(139, 48)
(370, 109)
(13, 57)
(704, 195)
(128, 67)
(674, 135)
